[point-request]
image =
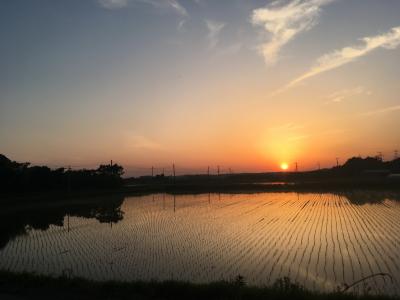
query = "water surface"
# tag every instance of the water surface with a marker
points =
(318, 240)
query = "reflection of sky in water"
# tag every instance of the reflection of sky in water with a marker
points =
(319, 240)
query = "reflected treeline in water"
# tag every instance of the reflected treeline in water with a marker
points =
(15, 221)
(359, 197)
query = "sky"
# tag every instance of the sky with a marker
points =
(241, 84)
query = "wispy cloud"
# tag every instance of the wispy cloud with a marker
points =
(345, 94)
(214, 30)
(177, 7)
(284, 22)
(159, 4)
(167, 4)
(230, 49)
(381, 111)
(113, 4)
(141, 142)
(288, 127)
(298, 137)
(338, 58)
(181, 25)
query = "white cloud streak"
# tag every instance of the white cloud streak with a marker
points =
(181, 25)
(158, 4)
(338, 58)
(288, 127)
(381, 111)
(141, 142)
(214, 30)
(284, 22)
(113, 4)
(167, 4)
(342, 95)
(177, 7)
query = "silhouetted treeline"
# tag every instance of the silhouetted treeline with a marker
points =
(15, 176)
(361, 165)
(356, 168)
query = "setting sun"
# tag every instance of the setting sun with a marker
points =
(284, 166)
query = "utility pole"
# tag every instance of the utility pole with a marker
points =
(296, 167)
(111, 164)
(152, 171)
(173, 170)
(380, 156)
(208, 171)
(69, 178)
(337, 162)
(218, 170)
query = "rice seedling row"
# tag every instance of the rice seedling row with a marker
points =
(318, 240)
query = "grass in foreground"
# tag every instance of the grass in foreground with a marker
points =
(31, 286)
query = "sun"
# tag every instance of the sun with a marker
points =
(284, 166)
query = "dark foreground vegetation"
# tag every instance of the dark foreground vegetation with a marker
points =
(21, 177)
(30, 286)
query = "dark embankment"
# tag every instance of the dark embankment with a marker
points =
(356, 173)
(226, 186)
(29, 286)
(19, 182)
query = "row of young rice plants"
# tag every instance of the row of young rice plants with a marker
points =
(319, 240)
(382, 233)
(363, 253)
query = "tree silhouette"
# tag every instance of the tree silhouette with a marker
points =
(113, 170)
(22, 177)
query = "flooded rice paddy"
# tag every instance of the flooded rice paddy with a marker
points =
(318, 240)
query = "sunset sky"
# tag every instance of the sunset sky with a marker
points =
(243, 84)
